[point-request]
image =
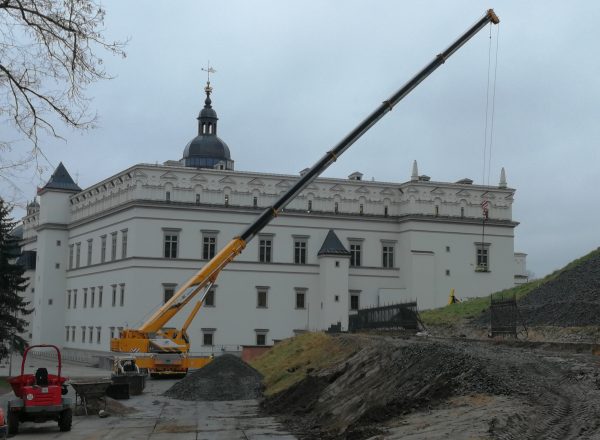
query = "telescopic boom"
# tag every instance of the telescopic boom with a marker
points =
(208, 274)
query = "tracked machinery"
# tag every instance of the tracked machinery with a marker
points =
(164, 350)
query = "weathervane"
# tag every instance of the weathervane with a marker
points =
(208, 71)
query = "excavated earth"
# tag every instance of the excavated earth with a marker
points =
(423, 389)
(227, 377)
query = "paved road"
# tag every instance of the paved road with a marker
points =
(160, 418)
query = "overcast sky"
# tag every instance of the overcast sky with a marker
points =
(294, 77)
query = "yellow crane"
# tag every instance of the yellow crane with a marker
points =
(164, 350)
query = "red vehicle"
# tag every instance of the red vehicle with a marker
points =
(3, 429)
(39, 397)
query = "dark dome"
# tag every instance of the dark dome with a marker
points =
(210, 146)
(207, 150)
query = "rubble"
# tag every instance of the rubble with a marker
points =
(227, 377)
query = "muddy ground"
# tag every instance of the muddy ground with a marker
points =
(414, 388)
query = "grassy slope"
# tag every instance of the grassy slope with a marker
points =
(288, 361)
(454, 313)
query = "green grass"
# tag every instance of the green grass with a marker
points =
(288, 361)
(454, 313)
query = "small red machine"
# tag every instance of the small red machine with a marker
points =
(3, 429)
(39, 396)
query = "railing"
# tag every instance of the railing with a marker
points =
(394, 316)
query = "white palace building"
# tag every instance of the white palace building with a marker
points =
(105, 257)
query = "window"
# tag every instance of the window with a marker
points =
(336, 298)
(78, 254)
(57, 265)
(261, 337)
(73, 333)
(92, 296)
(58, 244)
(68, 299)
(113, 249)
(309, 206)
(462, 211)
(85, 297)
(361, 209)
(90, 334)
(114, 295)
(124, 243)
(122, 295)
(354, 300)
(197, 199)
(100, 288)
(71, 250)
(209, 299)
(226, 200)
(89, 252)
(83, 333)
(437, 210)
(98, 335)
(170, 248)
(265, 249)
(50, 301)
(300, 251)
(255, 202)
(168, 291)
(67, 333)
(209, 244)
(208, 336)
(482, 257)
(168, 196)
(447, 272)
(355, 251)
(447, 248)
(102, 248)
(336, 207)
(387, 255)
(261, 297)
(300, 298)
(112, 332)
(74, 298)
(386, 211)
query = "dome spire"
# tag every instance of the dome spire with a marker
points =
(208, 89)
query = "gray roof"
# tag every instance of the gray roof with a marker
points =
(61, 179)
(332, 245)
(209, 145)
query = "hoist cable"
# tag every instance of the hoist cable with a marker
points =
(493, 106)
(487, 105)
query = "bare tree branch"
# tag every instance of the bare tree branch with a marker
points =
(49, 55)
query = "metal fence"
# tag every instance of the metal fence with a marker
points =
(403, 315)
(504, 316)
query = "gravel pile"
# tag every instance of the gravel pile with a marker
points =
(572, 299)
(227, 377)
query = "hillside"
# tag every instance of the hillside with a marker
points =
(569, 297)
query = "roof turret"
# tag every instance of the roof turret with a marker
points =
(61, 180)
(333, 246)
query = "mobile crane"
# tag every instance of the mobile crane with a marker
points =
(165, 350)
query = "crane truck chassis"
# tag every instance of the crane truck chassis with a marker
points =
(166, 350)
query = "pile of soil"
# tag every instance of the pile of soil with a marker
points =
(227, 377)
(379, 382)
(571, 299)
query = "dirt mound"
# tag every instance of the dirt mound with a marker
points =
(227, 377)
(570, 299)
(379, 382)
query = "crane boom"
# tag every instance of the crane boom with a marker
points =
(206, 276)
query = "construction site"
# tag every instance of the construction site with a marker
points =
(521, 363)
(445, 379)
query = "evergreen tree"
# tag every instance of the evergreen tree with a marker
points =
(12, 304)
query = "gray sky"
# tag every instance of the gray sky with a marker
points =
(294, 77)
